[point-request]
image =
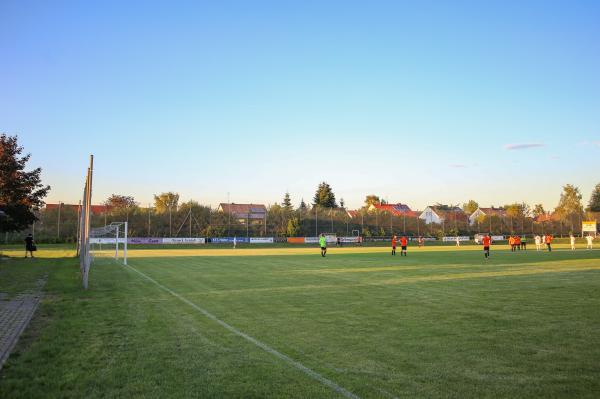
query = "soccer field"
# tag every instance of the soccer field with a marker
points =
(285, 322)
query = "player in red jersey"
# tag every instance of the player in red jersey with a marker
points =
(403, 244)
(487, 241)
(394, 240)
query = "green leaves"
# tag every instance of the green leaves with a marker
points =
(21, 192)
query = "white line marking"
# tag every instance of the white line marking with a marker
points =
(263, 346)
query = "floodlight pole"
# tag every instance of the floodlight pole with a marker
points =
(125, 245)
(58, 223)
(117, 246)
(316, 221)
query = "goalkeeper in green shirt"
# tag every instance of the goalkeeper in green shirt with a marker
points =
(323, 244)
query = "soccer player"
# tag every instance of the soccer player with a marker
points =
(487, 241)
(457, 241)
(511, 242)
(518, 242)
(403, 244)
(572, 237)
(524, 242)
(548, 241)
(589, 239)
(323, 244)
(394, 240)
(538, 243)
(234, 241)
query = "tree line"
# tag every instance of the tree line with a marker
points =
(22, 194)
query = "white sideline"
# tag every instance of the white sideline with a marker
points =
(311, 373)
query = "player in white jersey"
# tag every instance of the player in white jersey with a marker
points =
(572, 237)
(538, 243)
(589, 239)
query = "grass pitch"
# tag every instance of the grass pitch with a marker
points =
(439, 323)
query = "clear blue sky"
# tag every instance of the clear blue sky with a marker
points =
(414, 102)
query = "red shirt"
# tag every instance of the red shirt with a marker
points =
(486, 241)
(548, 239)
(393, 242)
(403, 241)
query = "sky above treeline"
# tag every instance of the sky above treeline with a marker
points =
(418, 103)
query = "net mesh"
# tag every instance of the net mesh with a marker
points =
(108, 242)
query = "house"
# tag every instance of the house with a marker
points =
(395, 209)
(243, 212)
(95, 209)
(486, 212)
(442, 213)
(547, 217)
(353, 214)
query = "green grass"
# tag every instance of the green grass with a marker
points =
(439, 323)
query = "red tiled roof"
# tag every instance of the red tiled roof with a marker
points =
(546, 217)
(253, 211)
(494, 211)
(395, 209)
(353, 214)
(96, 209)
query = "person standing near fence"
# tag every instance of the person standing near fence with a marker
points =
(524, 242)
(589, 239)
(29, 245)
(394, 241)
(234, 242)
(572, 238)
(538, 243)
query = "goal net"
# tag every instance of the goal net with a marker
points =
(109, 242)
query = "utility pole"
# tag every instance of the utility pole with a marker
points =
(58, 223)
(316, 221)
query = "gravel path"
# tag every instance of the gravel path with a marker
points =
(15, 315)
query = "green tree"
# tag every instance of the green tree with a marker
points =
(119, 202)
(538, 210)
(594, 204)
(293, 227)
(373, 199)
(287, 203)
(302, 208)
(570, 202)
(324, 196)
(165, 201)
(470, 207)
(21, 192)
(517, 210)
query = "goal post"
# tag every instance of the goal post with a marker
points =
(105, 241)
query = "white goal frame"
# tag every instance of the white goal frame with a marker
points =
(116, 227)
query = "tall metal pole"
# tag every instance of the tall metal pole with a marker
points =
(78, 227)
(148, 220)
(58, 222)
(316, 221)
(228, 216)
(125, 245)
(331, 217)
(170, 220)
